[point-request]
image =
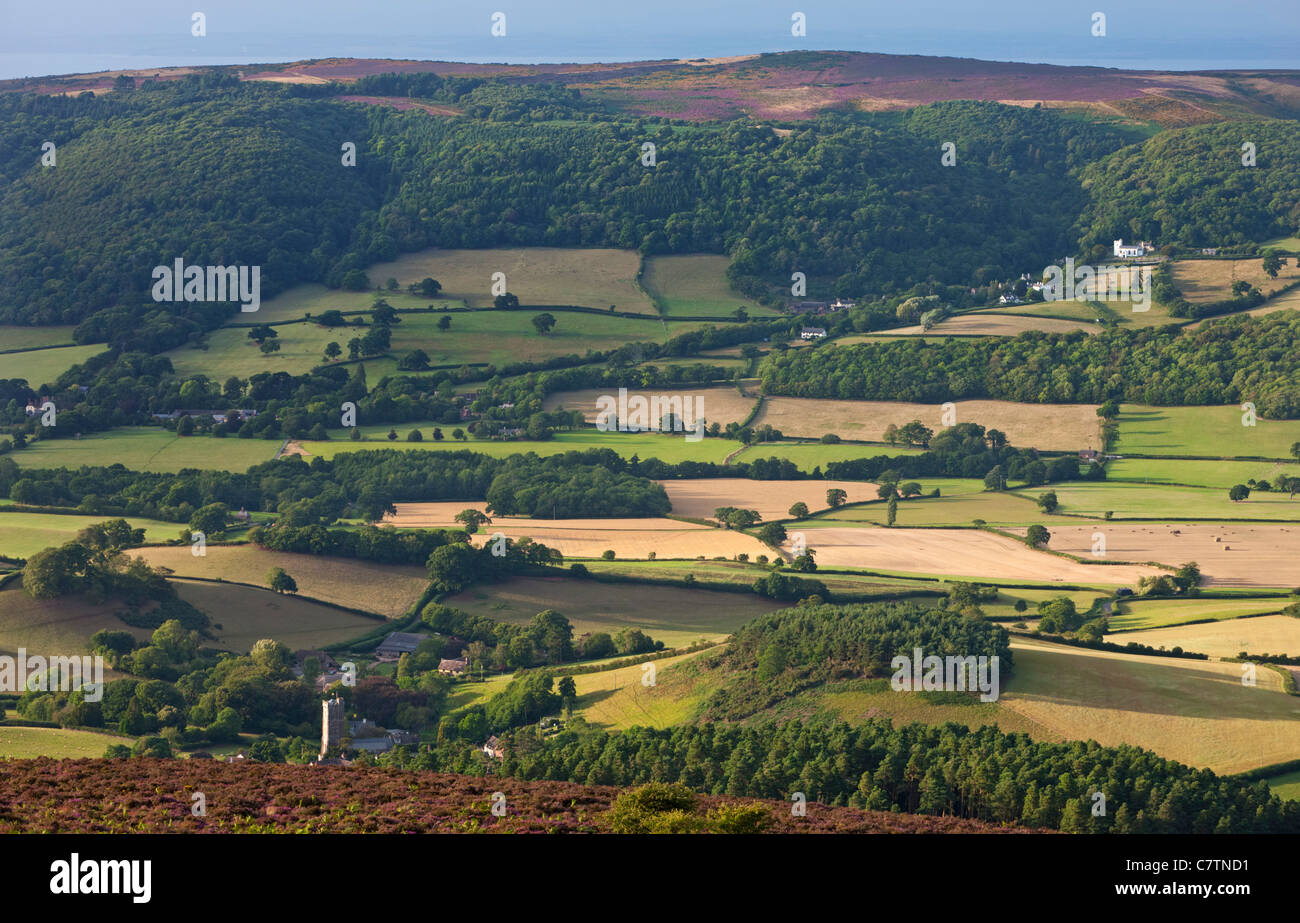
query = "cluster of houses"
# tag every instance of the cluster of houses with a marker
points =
(218, 416)
(812, 333)
(820, 307)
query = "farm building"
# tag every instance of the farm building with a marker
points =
(397, 644)
(812, 333)
(494, 748)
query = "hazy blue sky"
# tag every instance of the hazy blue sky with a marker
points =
(60, 36)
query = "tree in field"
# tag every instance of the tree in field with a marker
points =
(509, 301)
(543, 323)
(887, 490)
(458, 434)
(354, 348)
(772, 534)
(270, 346)
(909, 489)
(444, 322)
(210, 519)
(392, 435)
(1272, 263)
(417, 360)
(437, 434)
(891, 434)
(836, 497)
(1238, 492)
(996, 479)
(804, 563)
(105, 540)
(472, 519)
(1048, 503)
(799, 510)
(262, 332)
(333, 350)
(916, 433)
(1295, 450)
(1037, 536)
(430, 287)
(415, 436)
(892, 510)
(281, 582)
(186, 426)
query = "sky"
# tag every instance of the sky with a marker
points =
(42, 37)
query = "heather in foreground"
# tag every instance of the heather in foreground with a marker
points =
(159, 796)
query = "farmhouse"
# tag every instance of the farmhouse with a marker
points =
(494, 748)
(812, 333)
(453, 667)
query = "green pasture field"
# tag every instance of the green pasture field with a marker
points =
(1128, 500)
(810, 455)
(39, 367)
(1199, 472)
(24, 534)
(58, 743)
(646, 445)
(673, 615)
(1138, 614)
(735, 572)
(247, 615)
(148, 448)
(496, 337)
(1211, 431)
(997, 508)
(1286, 786)
(32, 337)
(696, 284)
(591, 277)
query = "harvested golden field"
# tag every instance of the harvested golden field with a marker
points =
(1262, 555)
(1006, 325)
(699, 497)
(627, 538)
(723, 404)
(593, 278)
(1194, 711)
(387, 589)
(1266, 634)
(434, 515)
(962, 553)
(1068, 427)
(1211, 280)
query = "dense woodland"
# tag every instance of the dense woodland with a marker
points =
(1224, 362)
(859, 200)
(1191, 188)
(782, 654)
(948, 769)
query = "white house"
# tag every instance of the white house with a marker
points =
(812, 333)
(1131, 251)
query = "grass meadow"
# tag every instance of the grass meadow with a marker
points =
(24, 534)
(40, 367)
(696, 284)
(148, 448)
(1211, 431)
